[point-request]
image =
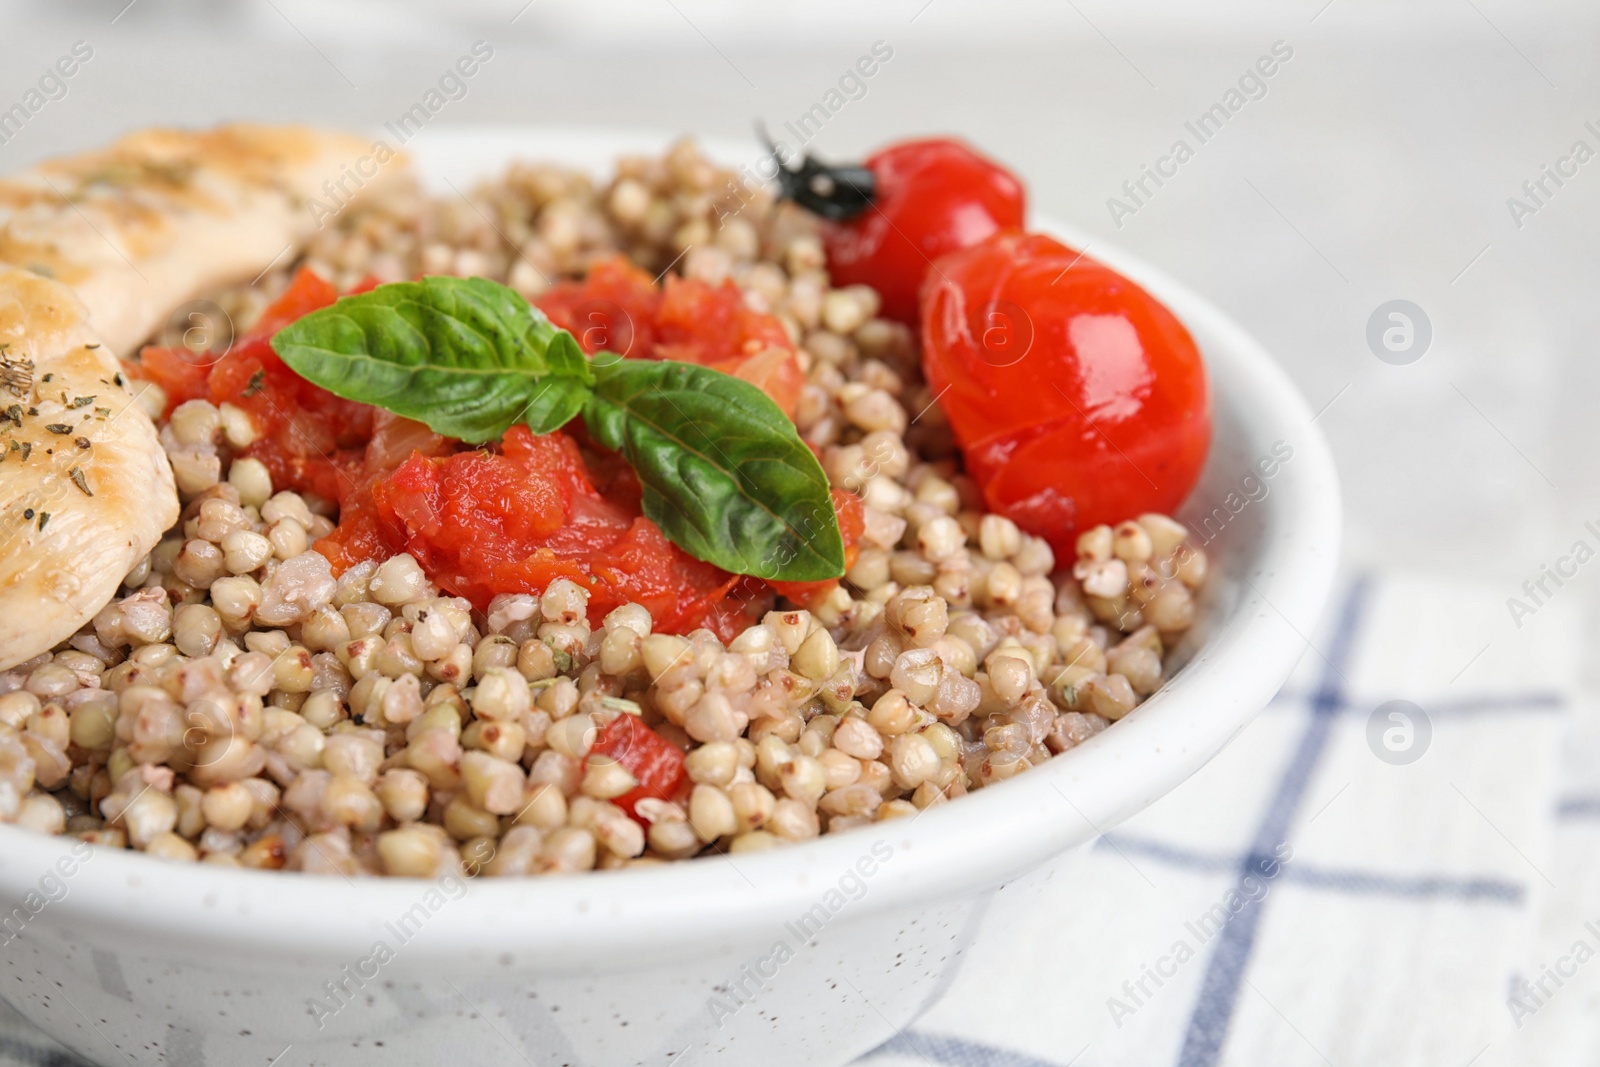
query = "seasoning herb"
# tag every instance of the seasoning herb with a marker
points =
(16, 375)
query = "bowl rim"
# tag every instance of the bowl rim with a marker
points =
(951, 851)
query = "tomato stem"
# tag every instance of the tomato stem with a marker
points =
(837, 192)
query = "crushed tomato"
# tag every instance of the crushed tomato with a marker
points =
(309, 439)
(513, 519)
(619, 308)
(483, 523)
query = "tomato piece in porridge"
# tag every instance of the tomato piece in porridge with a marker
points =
(505, 520)
(654, 763)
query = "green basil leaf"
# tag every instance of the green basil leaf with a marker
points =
(467, 356)
(724, 471)
(566, 359)
(556, 402)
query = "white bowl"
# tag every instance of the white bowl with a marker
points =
(807, 956)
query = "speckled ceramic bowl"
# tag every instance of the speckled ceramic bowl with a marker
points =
(802, 957)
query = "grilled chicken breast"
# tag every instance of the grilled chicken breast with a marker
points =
(163, 216)
(85, 489)
(95, 252)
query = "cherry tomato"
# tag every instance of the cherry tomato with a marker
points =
(933, 197)
(1077, 398)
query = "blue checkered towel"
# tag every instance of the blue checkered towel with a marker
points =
(1339, 887)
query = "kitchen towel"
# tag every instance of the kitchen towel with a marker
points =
(1364, 876)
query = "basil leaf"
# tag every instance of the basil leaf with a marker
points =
(566, 359)
(467, 356)
(559, 398)
(556, 402)
(724, 471)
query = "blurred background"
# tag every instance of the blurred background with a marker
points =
(1399, 151)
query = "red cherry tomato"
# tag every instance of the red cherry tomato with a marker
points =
(933, 197)
(1076, 397)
